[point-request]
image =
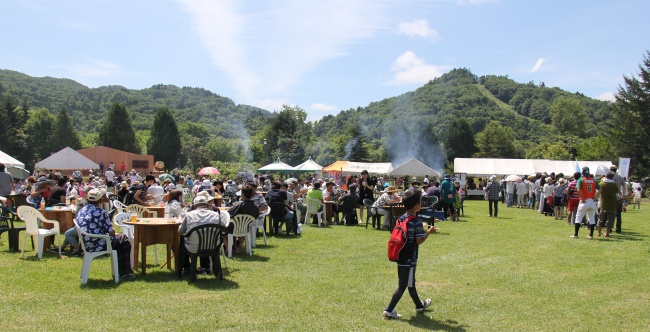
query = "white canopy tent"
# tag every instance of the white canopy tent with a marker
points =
(276, 167)
(414, 167)
(9, 160)
(499, 167)
(309, 166)
(372, 168)
(67, 159)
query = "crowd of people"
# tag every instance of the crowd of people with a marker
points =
(596, 203)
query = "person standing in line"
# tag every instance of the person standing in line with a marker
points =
(588, 190)
(608, 192)
(521, 186)
(574, 198)
(558, 192)
(620, 182)
(493, 189)
(407, 261)
(447, 193)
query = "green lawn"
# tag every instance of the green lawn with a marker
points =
(520, 272)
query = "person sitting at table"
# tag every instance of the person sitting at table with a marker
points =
(348, 203)
(330, 195)
(174, 205)
(279, 196)
(258, 199)
(245, 206)
(387, 198)
(231, 187)
(40, 191)
(94, 220)
(141, 191)
(57, 194)
(205, 185)
(315, 193)
(155, 190)
(218, 188)
(201, 214)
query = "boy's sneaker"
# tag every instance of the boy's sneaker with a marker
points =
(392, 314)
(574, 236)
(425, 304)
(589, 237)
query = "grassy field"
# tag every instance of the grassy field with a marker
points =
(520, 272)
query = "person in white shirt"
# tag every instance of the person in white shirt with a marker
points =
(521, 193)
(110, 177)
(156, 191)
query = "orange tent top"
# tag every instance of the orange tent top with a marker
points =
(337, 166)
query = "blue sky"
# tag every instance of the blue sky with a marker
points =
(324, 56)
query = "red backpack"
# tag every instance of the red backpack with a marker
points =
(398, 238)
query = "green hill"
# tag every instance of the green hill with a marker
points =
(395, 129)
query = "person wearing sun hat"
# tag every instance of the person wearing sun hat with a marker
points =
(200, 214)
(94, 220)
(388, 197)
(40, 191)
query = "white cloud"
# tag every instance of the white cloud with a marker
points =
(265, 51)
(537, 65)
(418, 28)
(94, 68)
(409, 69)
(323, 107)
(475, 2)
(606, 96)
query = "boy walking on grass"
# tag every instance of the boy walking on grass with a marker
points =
(409, 255)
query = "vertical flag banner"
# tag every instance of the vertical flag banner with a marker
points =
(624, 167)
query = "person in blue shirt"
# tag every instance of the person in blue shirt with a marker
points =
(94, 220)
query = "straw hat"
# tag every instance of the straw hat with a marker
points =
(391, 189)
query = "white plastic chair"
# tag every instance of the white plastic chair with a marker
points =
(313, 205)
(259, 224)
(119, 206)
(127, 230)
(89, 256)
(143, 212)
(241, 222)
(31, 216)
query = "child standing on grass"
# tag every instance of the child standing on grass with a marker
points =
(409, 255)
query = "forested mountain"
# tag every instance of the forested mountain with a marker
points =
(422, 117)
(508, 120)
(87, 107)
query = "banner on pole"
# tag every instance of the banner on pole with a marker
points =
(624, 167)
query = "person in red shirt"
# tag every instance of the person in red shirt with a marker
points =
(574, 198)
(123, 168)
(588, 191)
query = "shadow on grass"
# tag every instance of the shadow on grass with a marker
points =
(625, 236)
(426, 322)
(213, 283)
(244, 256)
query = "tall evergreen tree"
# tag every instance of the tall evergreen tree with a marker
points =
(630, 123)
(38, 130)
(459, 140)
(117, 131)
(64, 133)
(165, 141)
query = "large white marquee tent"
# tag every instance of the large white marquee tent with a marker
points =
(490, 166)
